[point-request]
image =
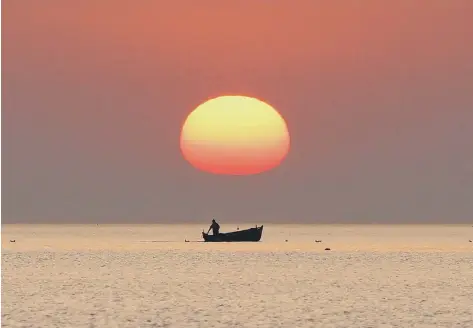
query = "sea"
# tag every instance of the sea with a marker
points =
(149, 276)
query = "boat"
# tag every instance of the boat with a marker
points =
(252, 234)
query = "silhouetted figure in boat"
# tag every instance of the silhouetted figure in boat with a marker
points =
(215, 228)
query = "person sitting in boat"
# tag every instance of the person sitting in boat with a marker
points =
(215, 228)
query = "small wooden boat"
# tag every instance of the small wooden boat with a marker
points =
(253, 234)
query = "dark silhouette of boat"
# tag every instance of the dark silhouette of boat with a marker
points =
(252, 234)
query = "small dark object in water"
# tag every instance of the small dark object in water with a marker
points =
(186, 241)
(252, 234)
(286, 240)
(318, 241)
(470, 241)
(327, 249)
(12, 241)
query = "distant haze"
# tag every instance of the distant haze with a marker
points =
(378, 98)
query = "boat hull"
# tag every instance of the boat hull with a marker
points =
(248, 235)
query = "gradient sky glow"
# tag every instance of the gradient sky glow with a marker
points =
(377, 95)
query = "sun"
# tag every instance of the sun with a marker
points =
(234, 135)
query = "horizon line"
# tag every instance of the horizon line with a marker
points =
(236, 223)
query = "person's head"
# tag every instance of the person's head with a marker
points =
(213, 221)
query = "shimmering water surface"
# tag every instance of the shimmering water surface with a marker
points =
(147, 276)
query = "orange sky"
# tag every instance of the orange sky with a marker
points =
(235, 37)
(377, 96)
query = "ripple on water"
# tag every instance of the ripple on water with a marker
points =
(215, 289)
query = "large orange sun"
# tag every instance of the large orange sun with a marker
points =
(235, 135)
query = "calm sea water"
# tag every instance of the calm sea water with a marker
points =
(147, 276)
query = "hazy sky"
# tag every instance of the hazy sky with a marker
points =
(378, 98)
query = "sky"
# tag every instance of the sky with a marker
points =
(377, 96)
